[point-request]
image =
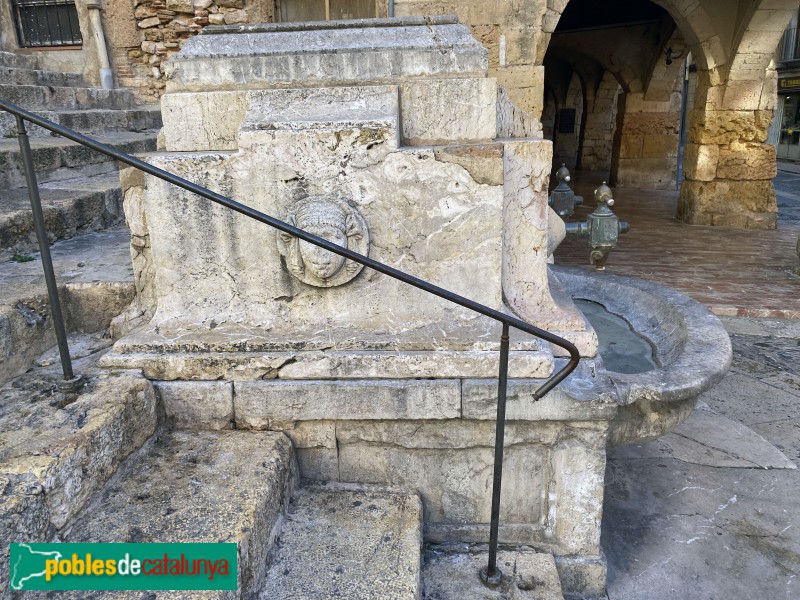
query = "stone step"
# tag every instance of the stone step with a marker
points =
(55, 454)
(56, 158)
(95, 120)
(19, 61)
(95, 277)
(87, 121)
(70, 207)
(20, 76)
(348, 541)
(35, 97)
(228, 486)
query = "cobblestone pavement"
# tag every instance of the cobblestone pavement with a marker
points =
(740, 272)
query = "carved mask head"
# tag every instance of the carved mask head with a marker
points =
(328, 221)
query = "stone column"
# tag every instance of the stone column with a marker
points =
(600, 123)
(728, 165)
(648, 148)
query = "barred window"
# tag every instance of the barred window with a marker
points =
(46, 23)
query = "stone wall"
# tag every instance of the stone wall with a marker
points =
(437, 437)
(566, 146)
(648, 146)
(601, 122)
(512, 34)
(159, 29)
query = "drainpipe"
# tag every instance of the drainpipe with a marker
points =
(391, 8)
(106, 77)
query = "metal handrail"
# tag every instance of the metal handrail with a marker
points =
(490, 574)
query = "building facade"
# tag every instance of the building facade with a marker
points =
(625, 89)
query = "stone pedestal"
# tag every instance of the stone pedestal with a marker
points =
(389, 138)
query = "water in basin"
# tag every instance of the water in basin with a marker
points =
(622, 349)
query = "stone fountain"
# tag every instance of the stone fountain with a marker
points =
(387, 137)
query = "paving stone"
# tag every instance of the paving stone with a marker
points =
(527, 575)
(706, 438)
(350, 542)
(676, 529)
(750, 400)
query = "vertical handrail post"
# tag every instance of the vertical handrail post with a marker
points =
(44, 249)
(491, 575)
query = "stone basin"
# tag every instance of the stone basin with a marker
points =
(692, 351)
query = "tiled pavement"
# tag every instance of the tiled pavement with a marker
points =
(735, 272)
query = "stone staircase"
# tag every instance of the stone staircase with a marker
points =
(79, 187)
(104, 467)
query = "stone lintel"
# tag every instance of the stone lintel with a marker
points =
(252, 59)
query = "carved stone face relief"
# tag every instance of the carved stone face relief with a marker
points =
(330, 218)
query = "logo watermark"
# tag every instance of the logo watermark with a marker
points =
(123, 566)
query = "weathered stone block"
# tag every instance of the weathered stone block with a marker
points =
(260, 401)
(647, 173)
(527, 575)
(202, 121)
(180, 6)
(700, 161)
(651, 123)
(728, 203)
(148, 22)
(318, 464)
(24, 518)
(114, 419)
(258, 295)
(729, 126)
(202, 487)
(660, 146)
(523, 84)
(448, 110)
(526, 172)
(569, 401)
(514, 122)
(235, 17)
(231, 365)
(483, 162)
(631, 146)
(304, 434)
(455, 484)
(747, 161)
(197, 404)
(726, 196)
(353, 541)
(579, 472)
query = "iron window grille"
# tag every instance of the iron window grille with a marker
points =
(46, 23)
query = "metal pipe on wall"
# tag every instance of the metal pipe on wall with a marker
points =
(106, 76)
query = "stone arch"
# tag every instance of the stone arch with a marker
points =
(698, 27)
(729, 166)
(661, 81)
